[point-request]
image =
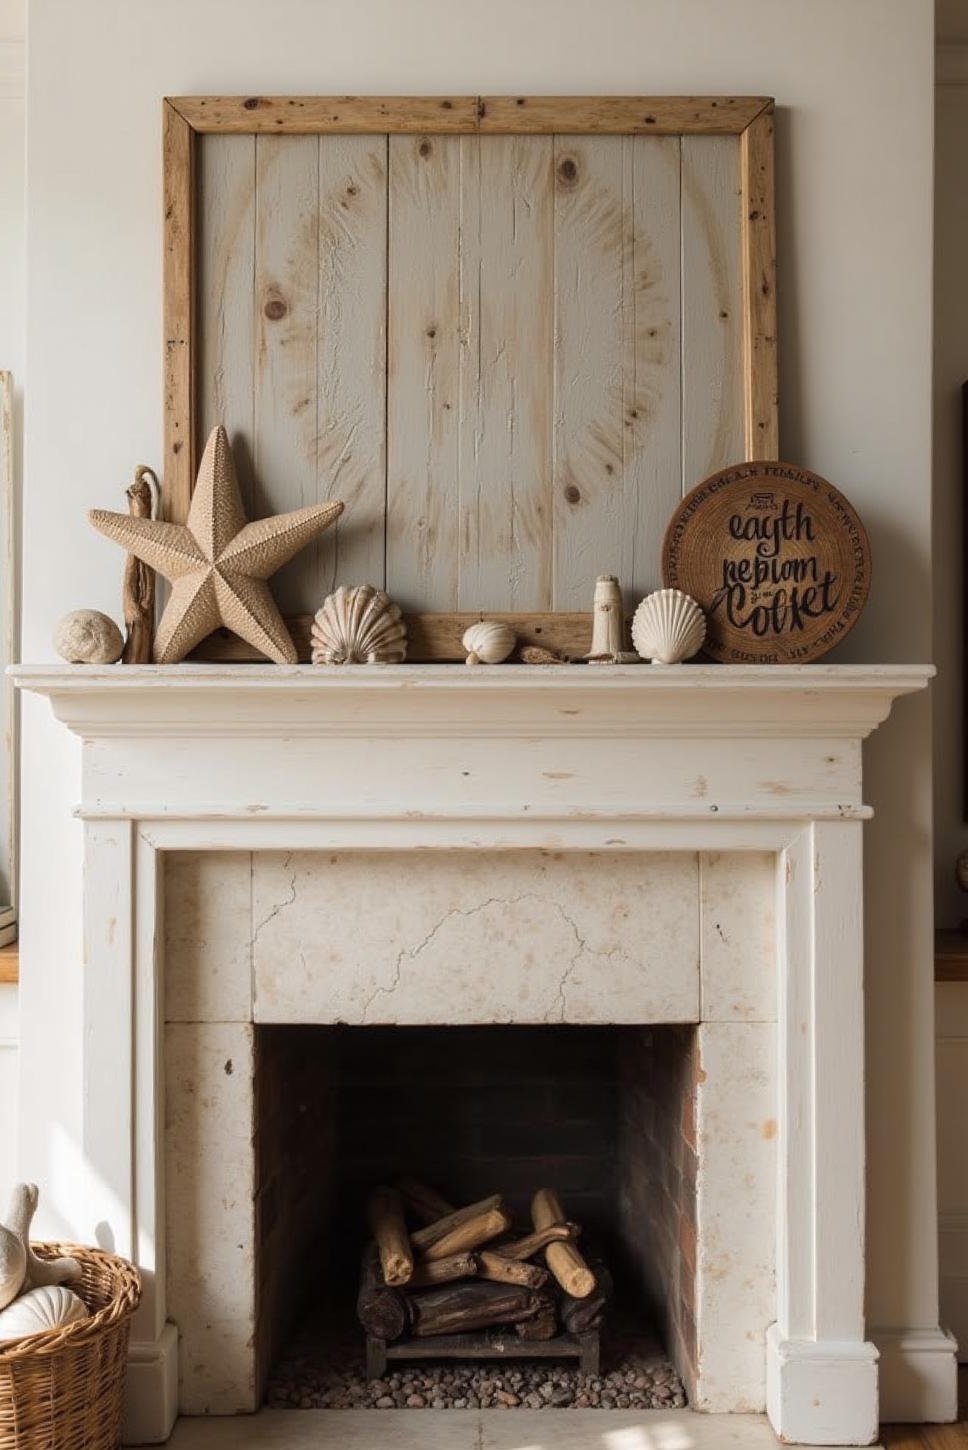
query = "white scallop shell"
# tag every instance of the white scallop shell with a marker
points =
(359, 625)
(88, 637)
(668, 627)
(488, 642)
(40, 1310)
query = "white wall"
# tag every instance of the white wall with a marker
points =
(854, 82)
(12, 318)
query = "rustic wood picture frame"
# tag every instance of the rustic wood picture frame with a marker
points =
(186, 118)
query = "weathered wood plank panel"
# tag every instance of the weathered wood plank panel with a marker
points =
(351, 361)
(226, 289)
(652, 384)
(423, 371)
(616, 423)
(508, 354)
(647, 115)
(287, 330)
(506, 330)
(713, 402)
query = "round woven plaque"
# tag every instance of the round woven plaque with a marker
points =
(776, 556)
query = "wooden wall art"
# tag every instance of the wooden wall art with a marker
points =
(509, 332)
(777, 558)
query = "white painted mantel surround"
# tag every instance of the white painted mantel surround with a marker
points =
(637, 758)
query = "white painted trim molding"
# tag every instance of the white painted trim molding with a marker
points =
(13, 58)
(920, 1375)
(612, 759)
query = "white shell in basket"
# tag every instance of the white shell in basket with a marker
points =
(359, 625)
(668, 627)
(40, 1310)
(488, 642)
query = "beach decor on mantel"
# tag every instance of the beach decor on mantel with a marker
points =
(489, 642)
(776, 556)
(668, 627)
(358, 625)
(88, 637)
(218, 563)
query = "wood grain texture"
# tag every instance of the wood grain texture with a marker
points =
(351, 362)
(712, 325)
(227, 331)
(9, 964)
(616, 419)
(423, 371)
(178, 165)
(758, 233)
(506, 282)
(286, 343)
(650, 115)
(510, 371)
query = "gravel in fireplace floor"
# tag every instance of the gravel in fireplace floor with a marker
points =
(318, 1373)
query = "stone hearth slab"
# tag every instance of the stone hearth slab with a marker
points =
(476, 1430)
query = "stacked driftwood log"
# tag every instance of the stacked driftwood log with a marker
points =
(433, 1269)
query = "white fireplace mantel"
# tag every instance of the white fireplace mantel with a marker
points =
(638, 758)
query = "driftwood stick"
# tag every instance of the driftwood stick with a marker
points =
(470, 1234)
(531, 1244)
(443, 1271)
(381, 1311)
(563, 1259)
(460, 1308)
(138, 584)
(385, 1213)
(499, 1270)
(423, 1202)
(422, 1238)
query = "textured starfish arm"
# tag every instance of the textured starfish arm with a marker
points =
(190, 614)
(249, 610)
(264, 546)
(169, 548)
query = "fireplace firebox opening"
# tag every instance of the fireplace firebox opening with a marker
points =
(604, 1116)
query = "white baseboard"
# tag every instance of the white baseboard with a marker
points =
(919, 1375)
(151, 1394)
(954, 1309)
(821, 1392)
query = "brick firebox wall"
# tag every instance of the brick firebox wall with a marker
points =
(658, 1171)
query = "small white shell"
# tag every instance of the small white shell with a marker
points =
(668, 627)
(40, 1310)
(88, 637)
(359, 625)
(488, 642)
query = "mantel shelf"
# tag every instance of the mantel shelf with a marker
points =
(698, 701)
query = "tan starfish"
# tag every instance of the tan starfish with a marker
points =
(218, 562)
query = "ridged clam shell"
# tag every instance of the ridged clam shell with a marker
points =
(668, 627)
(358, 625)
(489, 642)
(40, 1310)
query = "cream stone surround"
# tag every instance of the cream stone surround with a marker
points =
(623, 760)
(464, 937)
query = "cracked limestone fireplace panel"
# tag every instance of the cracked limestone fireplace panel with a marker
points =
(519, 936)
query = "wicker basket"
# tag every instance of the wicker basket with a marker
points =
(62, 1390)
